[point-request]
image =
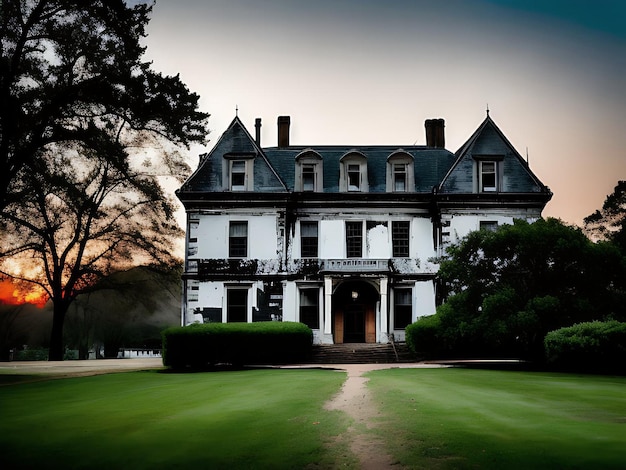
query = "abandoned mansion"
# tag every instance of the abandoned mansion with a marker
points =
(341, 238)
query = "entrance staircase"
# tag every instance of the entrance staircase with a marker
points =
(361, 353)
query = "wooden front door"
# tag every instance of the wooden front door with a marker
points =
(354, 324)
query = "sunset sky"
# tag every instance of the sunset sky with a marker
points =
(552, 72)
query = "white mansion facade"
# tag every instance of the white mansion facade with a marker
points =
(342, 238)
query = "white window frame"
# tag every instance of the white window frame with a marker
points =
(492, 173)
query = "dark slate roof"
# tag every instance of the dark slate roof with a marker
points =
(490, 141)
(430, 164)
(236, 140)
(274, 167)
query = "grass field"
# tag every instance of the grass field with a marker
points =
(149, 420)
(274, 419)
(459, 418)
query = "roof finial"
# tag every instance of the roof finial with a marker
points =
(487, 109)
(236, 110)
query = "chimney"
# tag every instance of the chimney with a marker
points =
(257, 125)
(435, 135)
(283, 131)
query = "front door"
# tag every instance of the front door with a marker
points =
(354, 324)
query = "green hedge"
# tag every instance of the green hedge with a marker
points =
(423, 336)
(588, 347)
(202, 345)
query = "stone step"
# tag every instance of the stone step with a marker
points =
(361, 353)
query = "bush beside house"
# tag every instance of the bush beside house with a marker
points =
(588, 347)
(202, 345)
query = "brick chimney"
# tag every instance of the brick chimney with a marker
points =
(283, 131)
(435, 135)
(257, 125)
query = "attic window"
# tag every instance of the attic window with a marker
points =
(238, 175)
(488, 176)
(354, 177)
(400, 172)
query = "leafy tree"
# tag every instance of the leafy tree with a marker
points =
(69, 70)
(507, 288)
(88, 132)
(609, 223)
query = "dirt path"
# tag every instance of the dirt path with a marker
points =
(356, 401)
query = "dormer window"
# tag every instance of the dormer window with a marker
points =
(308, 177)
(400, 178)
(238, 175)
(237, 172)
(353, 173)
(354, 177)
(488, 176)
(309, 171)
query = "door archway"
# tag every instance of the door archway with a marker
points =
(354, 312)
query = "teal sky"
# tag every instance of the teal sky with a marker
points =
(552, 72)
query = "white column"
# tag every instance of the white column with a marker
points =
(328, 308)
(384, 327)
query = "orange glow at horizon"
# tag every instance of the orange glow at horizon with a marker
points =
(12, 294)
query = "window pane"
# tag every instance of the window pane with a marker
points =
(238, 240)
(236, 305)
(308, 177)
(354, 239)
(354, 178)
(308, 239)
(238, 175)
(309, 307)
(402, 308)
(400, 239)
(488, 176)
(399, 177)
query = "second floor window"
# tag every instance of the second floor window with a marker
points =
(238, 240)
(354, 239)
(400, 238)
(308, 240)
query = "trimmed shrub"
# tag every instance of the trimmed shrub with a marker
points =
(588, 347)
(424, 337)
(202, 345)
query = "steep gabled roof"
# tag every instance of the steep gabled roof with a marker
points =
(235, 141)
(490, 142)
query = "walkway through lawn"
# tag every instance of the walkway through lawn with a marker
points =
(355, 399)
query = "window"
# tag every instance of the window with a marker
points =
(238, 240)
(309, 307)
(308, 177)
(489, 225)
(236, 305)
(399, 177)
(400, 239)
(488, 176)
(402, 308)
(238, 175)
(354, 239)
(354, 177)
(308, 239)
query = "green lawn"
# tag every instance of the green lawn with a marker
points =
(432, 418)
(136, 420)
(459, 418)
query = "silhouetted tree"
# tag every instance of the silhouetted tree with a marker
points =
(88, 132)
(609, 223)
